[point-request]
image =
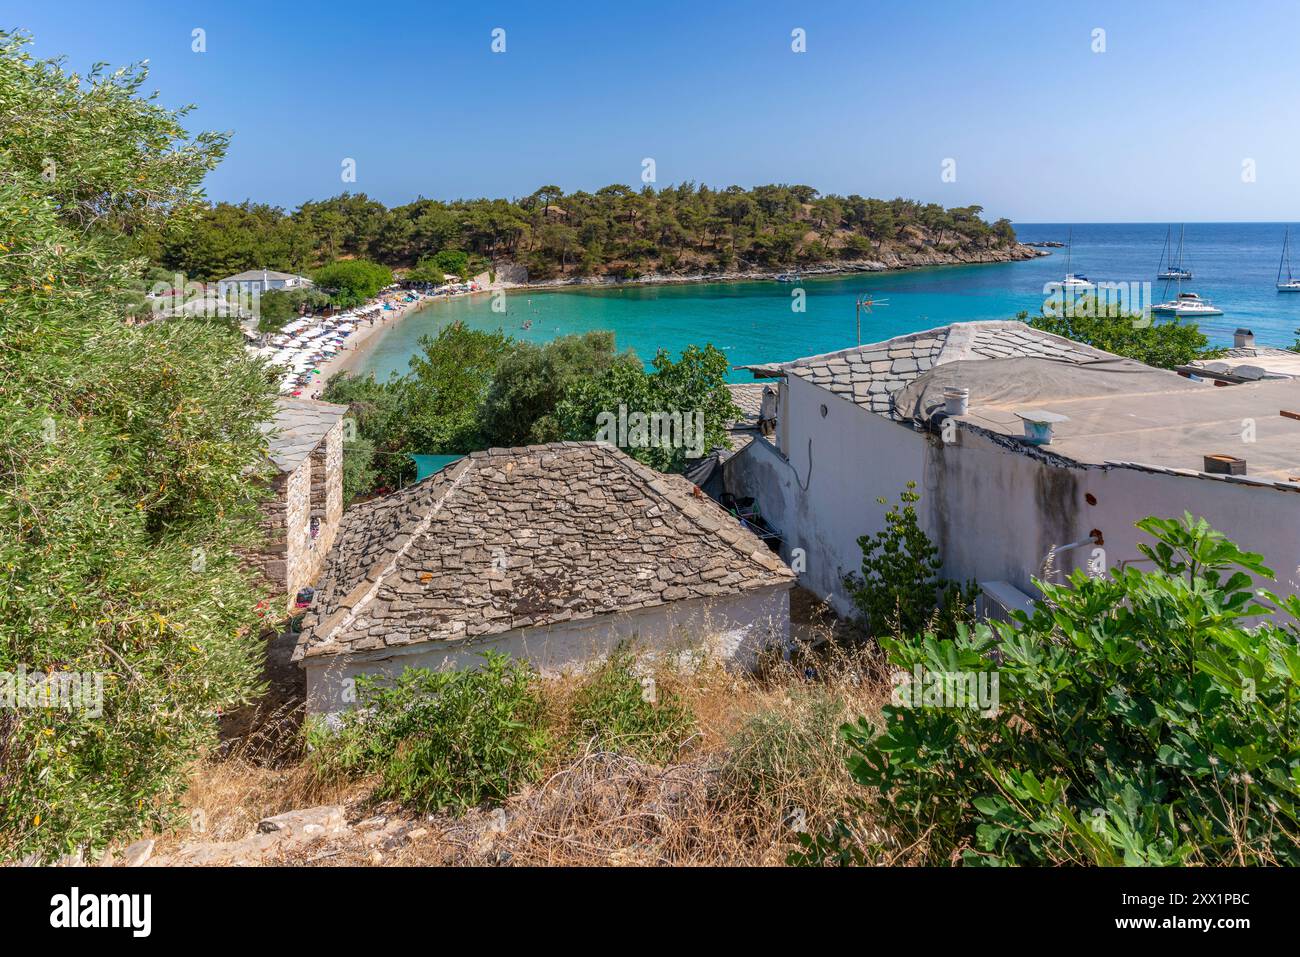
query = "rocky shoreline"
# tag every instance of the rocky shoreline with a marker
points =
(514, 276)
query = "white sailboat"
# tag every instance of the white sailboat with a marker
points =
(1168, 269)
(1290, 284)
(1187, 304)
(1078, 283)
(1184, 303)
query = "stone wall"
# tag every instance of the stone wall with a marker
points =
(299, 554)
(293, 557)
(273, 558)
(326, 502)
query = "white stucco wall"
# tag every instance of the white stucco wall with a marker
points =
(846, 459)
(994, 512)
(735, 629)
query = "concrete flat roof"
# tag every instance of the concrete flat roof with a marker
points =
(1274, 362)
(1159, 420)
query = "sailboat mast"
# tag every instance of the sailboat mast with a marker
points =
(1286, 241)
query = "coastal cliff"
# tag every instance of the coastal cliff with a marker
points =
(511, 275)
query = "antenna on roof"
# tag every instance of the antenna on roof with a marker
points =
(866, 302)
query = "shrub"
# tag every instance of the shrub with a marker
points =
(440, 738)
(351, 282)
(279, 306)
(1160, 344)
(130, 456)
(787, 759)
(613, 709)
(435, 269)
(1139, 721)
(899, 590)
(696, 384)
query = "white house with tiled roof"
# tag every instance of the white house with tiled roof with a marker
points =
(551, 553)
(258, 281)
(1127, 441)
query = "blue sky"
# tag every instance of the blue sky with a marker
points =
(1042, 128)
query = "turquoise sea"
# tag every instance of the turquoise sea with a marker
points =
(1234, 266)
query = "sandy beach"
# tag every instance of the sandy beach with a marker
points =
(354, 347)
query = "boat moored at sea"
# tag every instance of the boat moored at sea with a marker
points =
(1187, 304)
(1075, 282)
(1168, 268)
(1290, 284)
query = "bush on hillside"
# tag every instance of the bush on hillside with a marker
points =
(276, 307)
(1140, 719)
(440, 739)
(130, 457)
(350, 282)
(615, 709)
(694, 385)
(532, 379)
(785, 760)
(899, 590)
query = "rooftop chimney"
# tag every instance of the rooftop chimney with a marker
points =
(1224, 465)
(1038, 425)
(1243, 339)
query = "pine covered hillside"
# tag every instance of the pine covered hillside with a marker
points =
(613, 233)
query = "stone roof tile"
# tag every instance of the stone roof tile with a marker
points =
(512, 538)
(298, 427)
(871, 374)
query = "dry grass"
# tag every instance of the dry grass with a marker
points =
(251, 778)
(766, 762)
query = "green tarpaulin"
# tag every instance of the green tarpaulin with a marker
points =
(426, 465)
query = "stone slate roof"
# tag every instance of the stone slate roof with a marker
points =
(514, 538)
(749, 396)
(871, 375)
(298, 427)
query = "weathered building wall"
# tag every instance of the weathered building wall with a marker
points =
(994, 511)
(734, 629)
(286, 558)
(822, 492)
(273, 558)
(326, 502)
(293, 557)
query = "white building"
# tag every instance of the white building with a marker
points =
(551, 553)
(862, 423)
(258, 281)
